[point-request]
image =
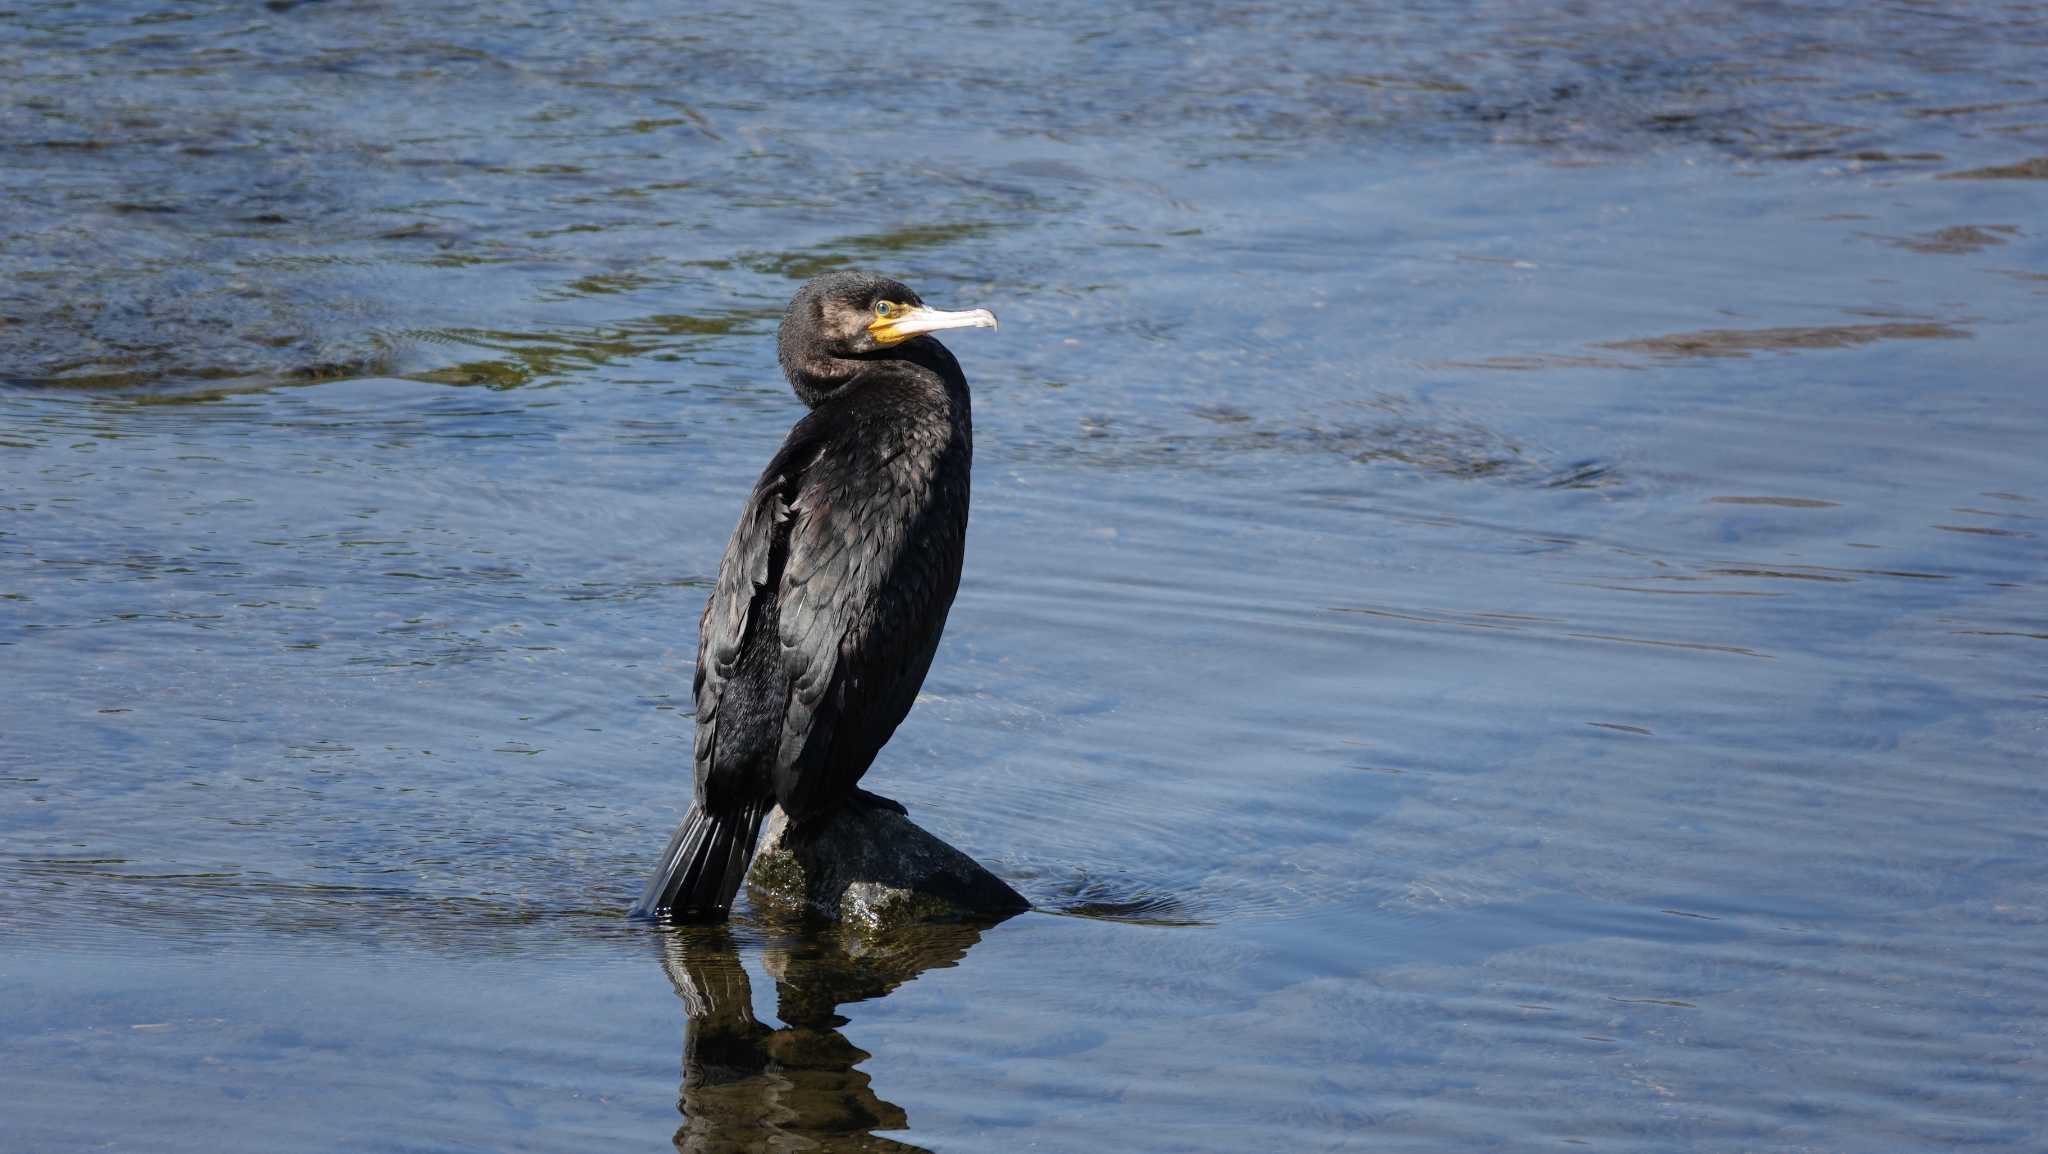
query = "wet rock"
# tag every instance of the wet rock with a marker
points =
(871, 866)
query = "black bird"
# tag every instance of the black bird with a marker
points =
(835, 585)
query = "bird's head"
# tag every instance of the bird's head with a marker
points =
(849, 316)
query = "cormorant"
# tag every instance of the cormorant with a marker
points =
(834, 587)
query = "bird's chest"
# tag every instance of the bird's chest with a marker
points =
(900, 509)
(912, 463)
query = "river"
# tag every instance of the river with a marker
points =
(1506, 605)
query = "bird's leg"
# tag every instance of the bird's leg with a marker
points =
(868, 800)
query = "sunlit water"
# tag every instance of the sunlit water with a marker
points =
(1506, 604)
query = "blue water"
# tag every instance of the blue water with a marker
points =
(1506, 603)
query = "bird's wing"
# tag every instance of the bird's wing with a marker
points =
(874, 560)
(751, 560)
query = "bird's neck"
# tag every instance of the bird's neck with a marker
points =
(823, 376)
(819, 377)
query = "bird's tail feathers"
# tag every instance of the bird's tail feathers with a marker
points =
(703, 866)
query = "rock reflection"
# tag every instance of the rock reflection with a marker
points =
(748, 1086)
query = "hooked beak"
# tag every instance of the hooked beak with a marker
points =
(908, 323)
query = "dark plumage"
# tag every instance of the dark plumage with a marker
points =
(835, 586)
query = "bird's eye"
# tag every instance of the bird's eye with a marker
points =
(884, 309)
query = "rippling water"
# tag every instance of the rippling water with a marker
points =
(1506, 604)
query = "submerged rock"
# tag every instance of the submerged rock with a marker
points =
(871, 866)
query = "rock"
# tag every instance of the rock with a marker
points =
(870, 866)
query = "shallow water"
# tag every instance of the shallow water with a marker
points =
(1506, 604)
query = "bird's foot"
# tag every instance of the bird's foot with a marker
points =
(862, 797)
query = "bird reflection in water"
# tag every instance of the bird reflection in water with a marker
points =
(750, 1087)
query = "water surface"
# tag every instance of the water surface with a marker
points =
(1506, 605)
